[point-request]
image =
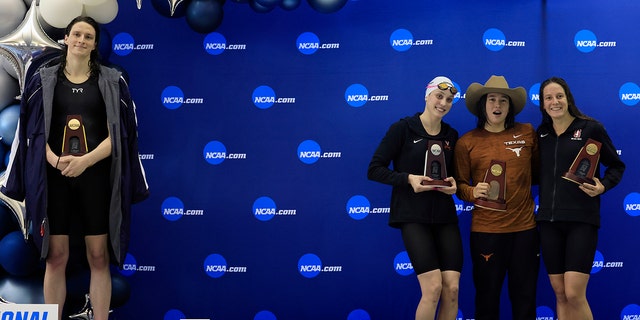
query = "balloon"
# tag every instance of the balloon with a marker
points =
(171, 8)
(17, 256)
(259, 8)
(102, 13)
(59, 13)
(8, 67)
(327, 6)
(11, 14)
(289, 4)
(204, 16)
(9, 89)
(268, 3)
(26, 43)
(7, 222)
(92, 2)
(104, 46)
(22, 289)
(17, 208)
(8, 123)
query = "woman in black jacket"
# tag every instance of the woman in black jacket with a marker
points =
(422, 208)
(569, 212)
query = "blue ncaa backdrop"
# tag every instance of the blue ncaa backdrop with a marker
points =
(258, 119)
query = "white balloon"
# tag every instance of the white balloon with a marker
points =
(58, 13)
(8, 67)
(9, 89)
(11, 14)
(93, 2)
(102, 13)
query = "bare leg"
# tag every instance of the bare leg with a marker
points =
(449, 297)
(571, 295)
(55, 281)
(430, 287)
(100, 285)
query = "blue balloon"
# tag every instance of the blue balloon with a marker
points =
(8, 123)
(17, 256)
(8, 221)
(104, 46)
(204, 16)
(268, 3)
(257, 7)
(289, 4)
(327, 6)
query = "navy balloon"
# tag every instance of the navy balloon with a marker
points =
(327, 6)
(18, 257)
(268, 3)
(204, 16)
(257, 7)
(8, 222)
(289, 4)
(104, 47)
(8, 123)
(164, 7)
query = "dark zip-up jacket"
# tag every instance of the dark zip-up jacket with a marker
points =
(27, 172)
(561, 199)
(405, 145)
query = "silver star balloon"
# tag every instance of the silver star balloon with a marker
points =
(17, 208)
(27, 42)
(4, 301)
(86, 313)
(173, 4)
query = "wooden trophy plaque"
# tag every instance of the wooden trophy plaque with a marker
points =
(74, 139)
(585, 164)
(496, 178)
(435, 166)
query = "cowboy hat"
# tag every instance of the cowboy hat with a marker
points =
(495, 84)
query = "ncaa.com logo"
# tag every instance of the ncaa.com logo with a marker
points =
(310, 266)
(173, 98)
(308, 43)
(359, 207)
(264, 97)
(357, 95)
(215, 152)
(495, 40)
(215, 44)
(402, 40)
(123, 44)
(264, 209)
(173, 209)
(215, 266)
(586, 41)
(309, 152)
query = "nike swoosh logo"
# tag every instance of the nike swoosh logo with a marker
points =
(416, 141)
(542, 135)
(517, 136)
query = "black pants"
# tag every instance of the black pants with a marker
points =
(496, 255)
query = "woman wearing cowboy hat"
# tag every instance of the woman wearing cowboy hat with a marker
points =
(504, 238)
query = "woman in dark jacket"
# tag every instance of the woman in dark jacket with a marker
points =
(569, 212)
(422, 208)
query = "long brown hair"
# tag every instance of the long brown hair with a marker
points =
(94, 57)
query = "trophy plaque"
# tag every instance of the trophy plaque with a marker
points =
(585, 164)
(496, 178)
(74, 139)
(435, 166)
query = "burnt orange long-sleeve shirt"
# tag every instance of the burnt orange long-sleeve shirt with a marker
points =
(517, 147)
